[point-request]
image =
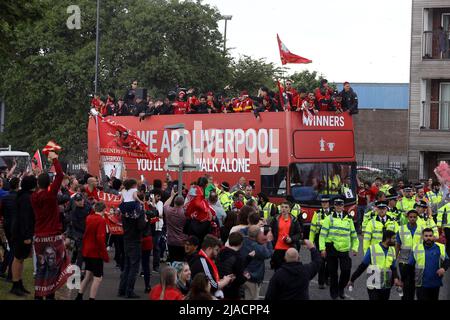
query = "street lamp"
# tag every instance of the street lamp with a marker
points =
(97, 36)
(226, 18)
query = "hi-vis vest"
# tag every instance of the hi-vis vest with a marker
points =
(419, 256)
(267, 209)
(426, 222)
(225, 199)
(295, 211)
(316, 223)
(333, 184)
(374, 231)
(379, 273)
(408, 242)
(442, 216)
(340, 232)
(434, 198)
(406, 204)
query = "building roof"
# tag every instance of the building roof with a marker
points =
(381, 95)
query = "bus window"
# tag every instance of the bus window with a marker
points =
(309, 181)
(273, 181)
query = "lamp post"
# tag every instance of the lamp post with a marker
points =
(226, 18)
(97, 39)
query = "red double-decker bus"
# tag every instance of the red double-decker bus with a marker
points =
(281, 153)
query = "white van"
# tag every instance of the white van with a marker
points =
(7, 158)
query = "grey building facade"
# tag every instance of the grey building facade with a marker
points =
(429, 111)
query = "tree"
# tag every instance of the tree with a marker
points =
(48, 79)
(308, 80)
(250, 74)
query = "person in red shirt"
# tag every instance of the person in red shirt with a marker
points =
(198, 211)
(336, 103)
(299, 99)
(323, 95)
(52, 258)
(167, 289)
(94, 251)
(286, 234)
(244, 103)
(291, 93)
(375, 188)
(181, 106)
(91, 190)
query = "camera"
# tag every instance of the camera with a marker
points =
(265, 229)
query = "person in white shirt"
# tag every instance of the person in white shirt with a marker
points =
(130, 198)
(156, 203)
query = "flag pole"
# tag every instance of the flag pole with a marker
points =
(98, 148)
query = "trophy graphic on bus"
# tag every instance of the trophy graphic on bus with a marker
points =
(323, 143)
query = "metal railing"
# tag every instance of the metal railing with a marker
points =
(433, 45)
(441, 110)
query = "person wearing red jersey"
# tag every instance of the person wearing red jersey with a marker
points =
(198, 211)
(181, 106)
(96, 102)
(291, 93)
(52, 258)
(323, 95)
(309, 104)
(298, 100)
(244, 103)
(91, 190)
(213, 106)
(94, 251)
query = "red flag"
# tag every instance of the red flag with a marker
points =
(280, 92)
(36, 162)
(287, 56)
(117, 140)
(51, 146)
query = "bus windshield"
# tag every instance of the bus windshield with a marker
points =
(310, 181)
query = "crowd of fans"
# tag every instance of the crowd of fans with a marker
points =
(135, 102)
(210, 242)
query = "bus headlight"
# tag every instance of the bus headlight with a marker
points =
(304, 216)
(352, 213)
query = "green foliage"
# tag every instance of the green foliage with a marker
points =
(251, 74)
(308, 80)
(47, 76)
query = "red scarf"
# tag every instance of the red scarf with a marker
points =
(212, 264)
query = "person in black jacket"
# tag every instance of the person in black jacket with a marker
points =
(349, 99)
(286, 234)
(133, 228)
(22, 233)
(77, 225)
(229, 261)
(291, 281)
(9, 211)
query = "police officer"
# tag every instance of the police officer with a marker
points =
(408, 236)
(425, 218)
(337, 237)
(314, 232)
(224, 195)
(268, 208)
(393, 212)
(374, 230)
(434, 197)
(407, 202)
(443, 221)
(370, 212)
(380, 262)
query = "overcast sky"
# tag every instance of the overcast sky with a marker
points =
(349, 40)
